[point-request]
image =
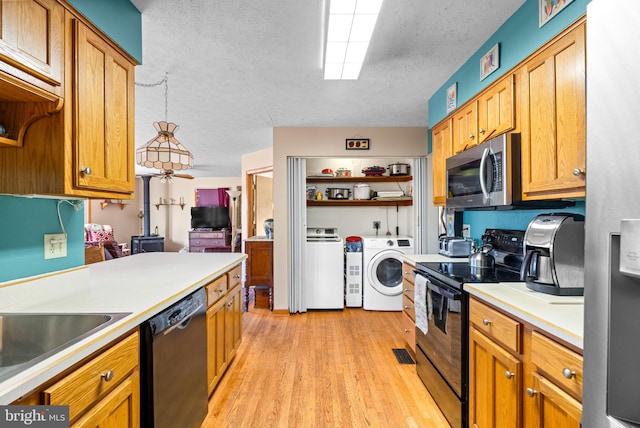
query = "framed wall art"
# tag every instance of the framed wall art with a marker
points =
(547, 9)
(452, 96)
(490, 61)
(357, 144)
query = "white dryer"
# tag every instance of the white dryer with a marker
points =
(382, 270)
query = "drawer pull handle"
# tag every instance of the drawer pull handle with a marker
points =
(568, 373)
(107, 376)
(509, 375)
(406, 330)
(485, 321)
(220, 290)
(86, 171)
(531, 392)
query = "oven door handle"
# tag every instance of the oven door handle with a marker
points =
(444, 290)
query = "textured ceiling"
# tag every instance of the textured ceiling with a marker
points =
(238, 68)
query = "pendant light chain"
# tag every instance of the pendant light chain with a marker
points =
(166, 92)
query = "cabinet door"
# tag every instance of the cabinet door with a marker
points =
(495, 379)
(554, 119)
(103, 94)
(32, 41)
(216, 352)
(233, 323)
(495, 109)
(553, 406)
(259, 262)
(121, 408)
(465, 126)
(441, 149)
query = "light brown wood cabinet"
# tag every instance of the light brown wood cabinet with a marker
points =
(408, 308)
(496, 108)
(552, 93)
(259, 266)
(77, 138)
(103, 390)
(32, 43)
(465, 127)
(518, 375)
(441, 149)
(224, 324)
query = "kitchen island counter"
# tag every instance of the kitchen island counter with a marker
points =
(141, 285)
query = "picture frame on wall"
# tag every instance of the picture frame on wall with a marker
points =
(490, 61)
(452, 96)
(547, 9)
(357, 144)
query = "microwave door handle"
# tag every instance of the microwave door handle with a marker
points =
(483, 166)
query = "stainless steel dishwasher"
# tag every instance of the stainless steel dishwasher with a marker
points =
(174, 365)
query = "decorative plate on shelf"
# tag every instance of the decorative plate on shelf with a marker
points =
(374, 170)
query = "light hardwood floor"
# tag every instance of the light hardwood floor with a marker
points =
(321, 369)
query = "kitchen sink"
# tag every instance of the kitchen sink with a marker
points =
(26, 339)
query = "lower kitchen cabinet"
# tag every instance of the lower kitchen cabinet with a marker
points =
(520, 377)
(224, 325)
(408, 309)
(102, 391)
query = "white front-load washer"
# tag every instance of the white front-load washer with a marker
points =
(382, 271)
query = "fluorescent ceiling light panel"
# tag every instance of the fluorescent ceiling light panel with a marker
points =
(351, 24)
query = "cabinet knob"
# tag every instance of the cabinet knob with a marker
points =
(471, 136)
(509, 375)
(578, 172)
(86, 171)
(230, 303)
(481, 130)
(568, 373)
(406, 307)
(531, 392)
(107, 376)
(486, 321)
(406, 330)
(220, 290)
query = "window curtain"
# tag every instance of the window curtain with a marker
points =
(420, 197)
(297, 214)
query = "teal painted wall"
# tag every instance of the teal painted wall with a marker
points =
(119, 19)
(519, 37)
(516, 219)
(23, 223)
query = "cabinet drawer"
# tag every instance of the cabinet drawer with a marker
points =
(216, 289)
(408, 308)
(206, 242)
(409, 332)
(235, 276)
(558, 363)
(207, 235)
(407, 272)
(496, 325)
(87, 385)
(408, 289)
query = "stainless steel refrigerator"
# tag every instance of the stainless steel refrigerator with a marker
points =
(612, 300)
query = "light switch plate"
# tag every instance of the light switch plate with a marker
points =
(55, 245)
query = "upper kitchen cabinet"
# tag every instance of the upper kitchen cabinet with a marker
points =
(102, 108)
(553, 118)
(465, 127)
(496, 109)
(32, 43)
(80, 144)
(441, 149)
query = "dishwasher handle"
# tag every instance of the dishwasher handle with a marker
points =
(185, 323)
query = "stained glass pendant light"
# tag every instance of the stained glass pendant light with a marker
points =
(164, 151)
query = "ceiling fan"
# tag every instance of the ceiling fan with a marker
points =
(167, 175)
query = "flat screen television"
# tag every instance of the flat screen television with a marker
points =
(215, 218)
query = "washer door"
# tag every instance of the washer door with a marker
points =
(384, 272)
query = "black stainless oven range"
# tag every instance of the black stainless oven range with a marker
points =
(442, 352)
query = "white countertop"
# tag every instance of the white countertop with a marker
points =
(143, 284)
(560, 316)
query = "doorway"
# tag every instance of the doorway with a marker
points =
(259, 200)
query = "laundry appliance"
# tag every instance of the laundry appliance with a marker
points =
(382, 258)
(324, 269)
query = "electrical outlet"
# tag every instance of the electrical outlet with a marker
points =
(466, 231)
(55, 245)
(376, 225)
